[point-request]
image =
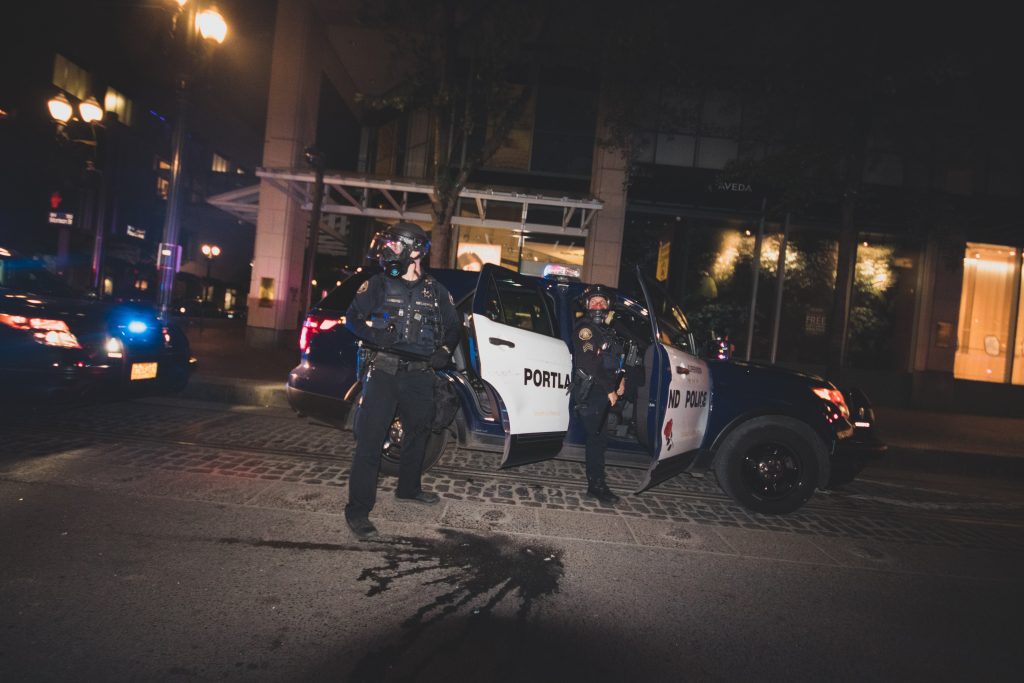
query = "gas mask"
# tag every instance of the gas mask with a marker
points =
(394, 256)
(393, 248)
(599, 316)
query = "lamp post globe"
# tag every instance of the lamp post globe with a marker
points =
(90, 110)
(60, 109)
(211, 25)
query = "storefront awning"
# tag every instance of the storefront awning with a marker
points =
(388, 199)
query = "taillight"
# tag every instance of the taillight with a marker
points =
(46, 331)
(314, 324)
(833, 396)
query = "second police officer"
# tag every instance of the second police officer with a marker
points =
(409, 327)
(597, 383)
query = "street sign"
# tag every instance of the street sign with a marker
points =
(61, 218)
(663, 251)
(168, 256)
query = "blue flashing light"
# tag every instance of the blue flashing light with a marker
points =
(137, 327)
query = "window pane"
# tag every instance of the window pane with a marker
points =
(984, 325)
(643, 147)
(716, 152)
(674, 150)
(882, 304)
(487, 245)
(539, 251)
(522, 307)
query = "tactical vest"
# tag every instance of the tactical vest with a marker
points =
(610, 347)
(414, 313)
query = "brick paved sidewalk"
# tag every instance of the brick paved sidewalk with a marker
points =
(230, 371)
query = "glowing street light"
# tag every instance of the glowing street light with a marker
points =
(90, 110)
(60, 108)
(211, 25)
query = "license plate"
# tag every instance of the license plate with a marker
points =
(143, 371)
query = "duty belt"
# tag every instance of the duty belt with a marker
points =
(391, 363)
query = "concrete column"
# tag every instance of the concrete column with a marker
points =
(604, 240)
(281, 225)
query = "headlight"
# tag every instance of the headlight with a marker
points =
(833, 396)
(114, 347)
(46, 331)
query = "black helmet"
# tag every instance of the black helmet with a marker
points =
(599, 316)
(392, 246)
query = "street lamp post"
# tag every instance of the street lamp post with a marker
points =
(315, 159)
(193, 24)
(89, 112)
(210, 251)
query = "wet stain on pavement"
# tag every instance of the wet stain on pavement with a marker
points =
(475, 574)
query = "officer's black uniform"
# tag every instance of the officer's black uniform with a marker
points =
(597, 352)
(413, 326)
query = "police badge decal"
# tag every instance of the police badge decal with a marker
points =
(585, 333)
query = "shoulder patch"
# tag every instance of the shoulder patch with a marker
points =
(587, 347)
(363, 287)
(585, 333)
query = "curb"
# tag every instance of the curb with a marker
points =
(237, 391)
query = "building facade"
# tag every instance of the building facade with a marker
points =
(936, 311)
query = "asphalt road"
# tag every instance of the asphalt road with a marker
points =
(167, 540)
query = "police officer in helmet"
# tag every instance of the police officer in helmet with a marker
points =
(408, 325)
(597, 382)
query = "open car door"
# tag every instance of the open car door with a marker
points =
(518, 351)
(679, 387)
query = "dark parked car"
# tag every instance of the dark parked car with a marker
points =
(59, 342)
(771, 435)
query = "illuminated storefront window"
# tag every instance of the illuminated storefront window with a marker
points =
(529, 253)
(989, 303)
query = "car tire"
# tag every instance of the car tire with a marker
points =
(770, 464)
(390, 456)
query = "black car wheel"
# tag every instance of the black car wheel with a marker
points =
(392, 453)
(770, 464)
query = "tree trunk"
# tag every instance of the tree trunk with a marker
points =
(442, 208)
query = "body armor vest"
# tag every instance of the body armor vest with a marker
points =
(413, 311)
(609, 346)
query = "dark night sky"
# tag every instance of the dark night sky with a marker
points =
(128, 41)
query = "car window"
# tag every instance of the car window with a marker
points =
(28, 275)
(339, 298)
(631, 321)
(673, 328)
(517, 304)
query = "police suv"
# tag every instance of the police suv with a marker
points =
(771, 435)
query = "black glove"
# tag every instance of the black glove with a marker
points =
(440, 358)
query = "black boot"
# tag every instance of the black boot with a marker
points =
(597, 488)
(361, 526)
